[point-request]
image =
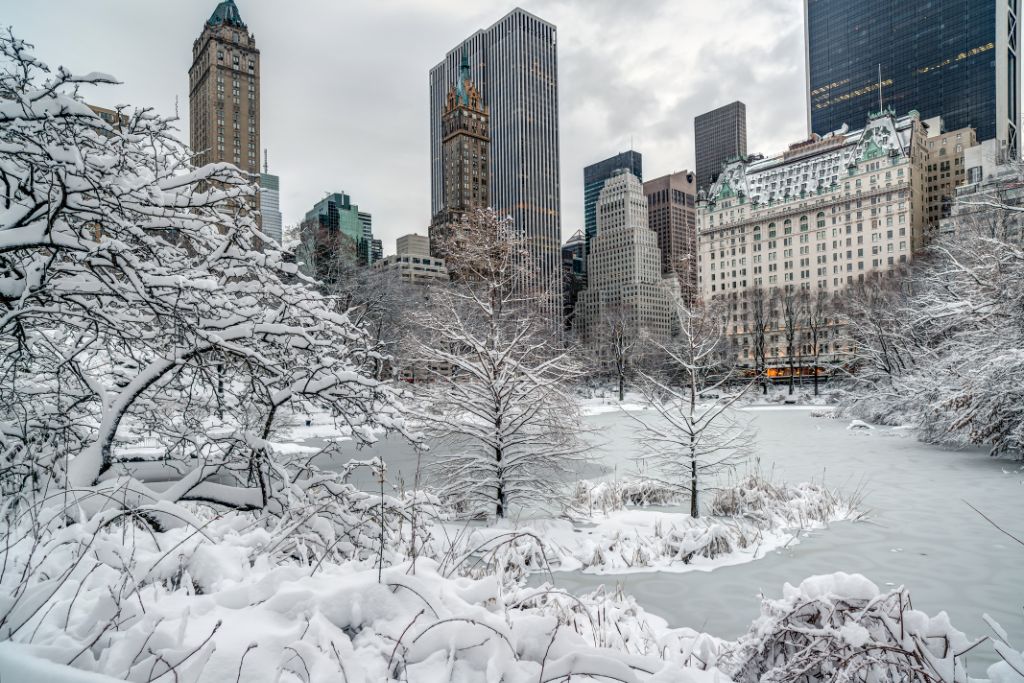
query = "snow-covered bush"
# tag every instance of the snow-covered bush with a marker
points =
(758, 500)
(840, 627)
(605, 496)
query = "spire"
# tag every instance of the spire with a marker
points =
(227, 14)
(464, 77)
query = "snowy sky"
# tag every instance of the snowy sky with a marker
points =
(344, 83)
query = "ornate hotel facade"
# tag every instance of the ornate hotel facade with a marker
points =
(823, 215)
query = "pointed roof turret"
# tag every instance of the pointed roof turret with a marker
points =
(226, 14)
(464, 77)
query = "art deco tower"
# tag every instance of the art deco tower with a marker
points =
(224, 92)
(465, 152)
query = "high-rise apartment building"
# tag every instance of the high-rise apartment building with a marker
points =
(465, 152)
(270, 205)
(718, 136)
(672, 212)
(822, 215)
(224, 92)
(594, 178)
(514, 63)
(625, 287)
(952, 58)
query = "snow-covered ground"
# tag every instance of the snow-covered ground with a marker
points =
(921, 532)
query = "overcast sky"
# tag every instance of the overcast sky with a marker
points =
(344, 88)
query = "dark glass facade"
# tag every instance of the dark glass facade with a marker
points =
(718, 136)
(594, 178)
(936, 56)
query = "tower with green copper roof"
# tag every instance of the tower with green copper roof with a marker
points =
(224, 93)
(226, 14)
(465, 148)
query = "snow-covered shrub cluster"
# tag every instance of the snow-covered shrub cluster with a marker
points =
(941, 346)
(606, 496)
(842, 628)
(747, 520)
(767, 505)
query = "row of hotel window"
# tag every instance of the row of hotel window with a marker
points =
(821, 273)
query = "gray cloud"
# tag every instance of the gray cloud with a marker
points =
(344, 85)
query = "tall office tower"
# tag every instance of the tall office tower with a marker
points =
(515, 65)
(672, 215)
(270, 204)
(624, 281)
(573, 253)
(594, 178)
(224, 92)
(465, 151)
(957, 59)
(718, 136)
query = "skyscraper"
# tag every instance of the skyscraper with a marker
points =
(270, 204)
(594, 178)
(465, 153)
(718, 136)
(335, 235)
(224, 92)
(957, 59)
(514, 64)
(625, 287)
(672, 215)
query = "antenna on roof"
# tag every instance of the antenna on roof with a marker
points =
(266, 161)
(880, 88)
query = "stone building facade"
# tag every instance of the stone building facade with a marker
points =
(465, 153)
(224, 93)
(672, 215)
(819, 217)
(624, 276)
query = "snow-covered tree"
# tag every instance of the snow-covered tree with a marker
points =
(509, 430)
(617, 344)
(940, 346)
(791, 318)
(762, 315)
(695, 433)
(818, 311)
(137, 304)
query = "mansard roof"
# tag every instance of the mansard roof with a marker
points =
(816, 164)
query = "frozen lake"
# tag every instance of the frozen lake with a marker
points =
(921, 533)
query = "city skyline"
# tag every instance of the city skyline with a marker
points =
(648, 96)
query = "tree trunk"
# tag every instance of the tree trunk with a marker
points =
(694, 510)
(622, 386)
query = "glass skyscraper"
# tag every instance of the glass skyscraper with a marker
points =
(718, 136)
(514, 63)
(951, 58)
(270, 206)
(594, 178)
